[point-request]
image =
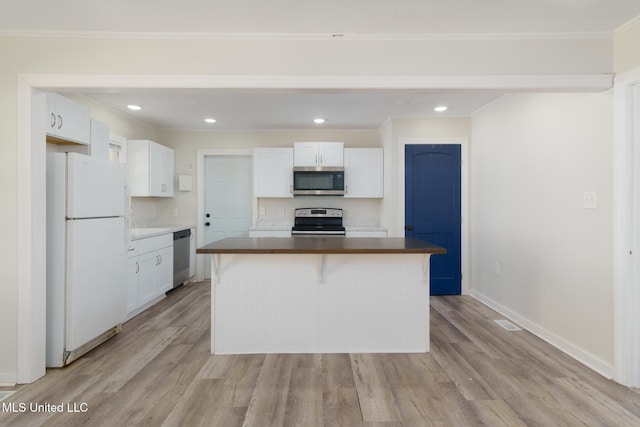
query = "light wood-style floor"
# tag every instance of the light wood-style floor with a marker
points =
(159, 372)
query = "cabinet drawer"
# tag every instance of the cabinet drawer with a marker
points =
(154, 243)
(132, 251)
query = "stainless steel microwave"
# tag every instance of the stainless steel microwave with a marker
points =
(318, 181)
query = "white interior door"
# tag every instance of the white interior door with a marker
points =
(227, 199)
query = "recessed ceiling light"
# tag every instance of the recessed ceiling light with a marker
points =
(440, 108)
(210, 120)
(318, 121)
(134, 107)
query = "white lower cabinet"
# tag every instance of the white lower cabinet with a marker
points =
(192, 253)
(270, 233)
(164, 269)
(366, 233)
(133, 268)
(149, 271)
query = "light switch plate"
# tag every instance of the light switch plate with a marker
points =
(590, 200)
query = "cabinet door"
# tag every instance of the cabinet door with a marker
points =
(132, 284)
(192, 253)
(138, 167)
(273, 172)
(330, 153)
(146, 277)
(363, 172)
(156, 171)
(167, 171)
(164, 270)
(305, 154)
(68, 120)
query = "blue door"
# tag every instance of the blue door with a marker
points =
(433, 211)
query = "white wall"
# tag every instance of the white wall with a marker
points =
(532, 157)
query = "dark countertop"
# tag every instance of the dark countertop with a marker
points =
(321, 245)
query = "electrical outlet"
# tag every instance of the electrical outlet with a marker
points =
(281, 211)
(174, 211)
(263, 211)
(590, 200)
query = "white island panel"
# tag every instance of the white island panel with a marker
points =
(265, 304)
(374, 303)
(320, 303)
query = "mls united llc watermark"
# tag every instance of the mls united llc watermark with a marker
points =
(22, 407)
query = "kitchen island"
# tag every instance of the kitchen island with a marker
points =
(319, 295)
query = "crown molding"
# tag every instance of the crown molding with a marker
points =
(304, 36)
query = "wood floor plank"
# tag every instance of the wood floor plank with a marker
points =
(460, 370)
(377, 402)
(341, 407)
(269, 401)
(304, 402)
(159, 371)
(496, 413)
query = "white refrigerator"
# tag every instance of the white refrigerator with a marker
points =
(86, 254)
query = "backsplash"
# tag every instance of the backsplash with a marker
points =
(143, 212)
(280, 212)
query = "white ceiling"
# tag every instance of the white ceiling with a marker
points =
(235, 110)
(319, 17)
(303, 18)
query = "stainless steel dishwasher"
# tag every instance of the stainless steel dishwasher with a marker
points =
(181, 240)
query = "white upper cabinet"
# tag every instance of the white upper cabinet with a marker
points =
(67, 120)
(318, 154)
(150, 168)
(273, 172)
(364, 172)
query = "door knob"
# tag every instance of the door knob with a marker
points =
(207, 223)
(409, 227)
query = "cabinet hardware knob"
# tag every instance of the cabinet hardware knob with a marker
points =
(207, 223)
(409, 227)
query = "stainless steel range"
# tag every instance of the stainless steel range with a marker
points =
(320, 222)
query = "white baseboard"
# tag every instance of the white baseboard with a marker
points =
(8, 379)
(603, 368)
